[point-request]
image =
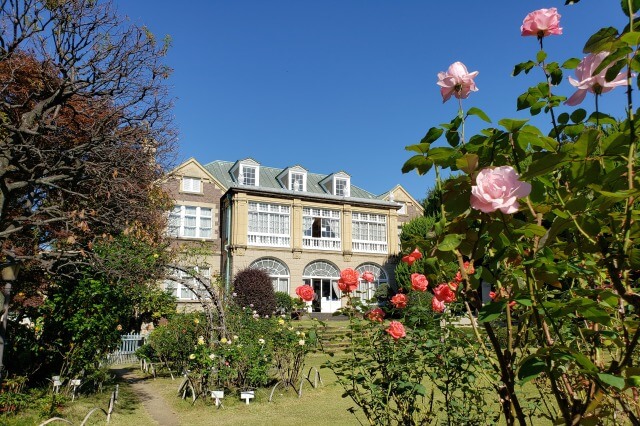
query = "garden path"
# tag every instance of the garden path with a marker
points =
(155, 404)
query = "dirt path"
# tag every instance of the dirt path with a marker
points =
(155, 404)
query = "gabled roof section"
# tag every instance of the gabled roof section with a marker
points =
(399, 194)
(269, 179)
(192, 162)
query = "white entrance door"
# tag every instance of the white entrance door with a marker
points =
(326, 297)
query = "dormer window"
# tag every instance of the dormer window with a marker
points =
(338, 184)
(297, 182)
(293, 178)
(248, 175)
(246, 172)
(341, 186)
(191, 184)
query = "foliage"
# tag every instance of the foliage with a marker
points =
(174, 341)
(284, 302)
(386, 377)
(563, 264)
(253, 289)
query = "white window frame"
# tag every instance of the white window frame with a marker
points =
(344, 191)
(268, 224)
(321, 229)
(292, 181)
(366, 290)
(243, 175)
(369, 233)
(180, 291)
(184, 218)
(191, 184)
(278, 272)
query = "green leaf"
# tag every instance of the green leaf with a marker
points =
(491, 311)
(479, 113)
(512, 124)
(611, 380)
(531, 230)
(543, 164)
(563, 118)
(541, 56)
(524, 66)
(602, 40)
(531, 368)
(432, 135)
(467, 163)
(450, 242)
(578, 115)
(420, 148)
(601, 118)
(615, 69)
(611, 58)
(571, 63)
(420, 389)
(631, 39)
(419, 162)
(635, 5)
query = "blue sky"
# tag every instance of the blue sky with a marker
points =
(347, 84)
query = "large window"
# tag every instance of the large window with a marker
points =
(269, 225)
(277, 271)
(183, 284)
(190, 222)
(369, 232)
(366, 290)
(321, 229)
(191, 184)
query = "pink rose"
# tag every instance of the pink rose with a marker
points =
(349, 279)
(444, 293)
(541, 23)
(376, 315)
(437, 305)
(396, 330)
(419, 282)
(412, 257)
(468, 267)
(305, 292)
(368, 277)
(457, 81)
(587, 82)
(399, 300)
(498, 188)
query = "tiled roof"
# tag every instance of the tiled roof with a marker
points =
(268, 180)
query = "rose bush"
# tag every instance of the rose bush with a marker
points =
(548, 221)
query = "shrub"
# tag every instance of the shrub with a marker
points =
(253, 289)
(284, 302)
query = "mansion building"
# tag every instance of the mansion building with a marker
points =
(300, 227)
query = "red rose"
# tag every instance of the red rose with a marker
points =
(396, 330)
(368, 277)
(412, 257)
(444, 293)
(419, 282)
(399, 300)
(305, 292)
(349, 279)
(492, 295)
(437, 305)
(376, 315)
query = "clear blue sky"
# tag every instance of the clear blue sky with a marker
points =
(347, 84)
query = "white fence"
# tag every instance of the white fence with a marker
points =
(126, 352)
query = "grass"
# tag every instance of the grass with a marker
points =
(128, 411)
(321, 406)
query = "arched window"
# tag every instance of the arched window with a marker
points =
(366, 290)
(323, 277)
(321, 269)
(277, 270)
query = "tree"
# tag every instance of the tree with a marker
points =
(84, 130)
